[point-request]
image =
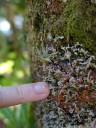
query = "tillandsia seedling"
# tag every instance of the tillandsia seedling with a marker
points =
(61, 40)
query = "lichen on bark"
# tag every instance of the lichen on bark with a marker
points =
(53, 28)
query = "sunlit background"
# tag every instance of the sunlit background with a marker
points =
(14, 66)
(13, 49)
(5, 26)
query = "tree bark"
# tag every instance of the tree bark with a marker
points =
(61, 39)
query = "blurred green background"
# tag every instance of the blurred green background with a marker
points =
(14, 66)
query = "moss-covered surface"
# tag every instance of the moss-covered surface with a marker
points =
(75, 20)
(56, 23)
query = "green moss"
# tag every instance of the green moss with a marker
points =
(80, 21)
(77, 22)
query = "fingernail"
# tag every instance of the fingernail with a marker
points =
(41, 88)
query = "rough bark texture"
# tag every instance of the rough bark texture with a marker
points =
(62, 45)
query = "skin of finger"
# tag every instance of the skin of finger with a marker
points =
(15, 95)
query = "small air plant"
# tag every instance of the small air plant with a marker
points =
(71, 76)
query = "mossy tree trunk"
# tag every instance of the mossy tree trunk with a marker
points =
(53, 29)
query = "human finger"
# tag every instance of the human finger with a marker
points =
(14, 95)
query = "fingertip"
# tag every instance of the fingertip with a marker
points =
(41, 88)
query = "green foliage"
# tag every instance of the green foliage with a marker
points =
(13, 46)
(18, 117)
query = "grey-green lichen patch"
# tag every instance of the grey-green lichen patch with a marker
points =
(71, 76)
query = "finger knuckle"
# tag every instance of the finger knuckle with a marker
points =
(20, 94)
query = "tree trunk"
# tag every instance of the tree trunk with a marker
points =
(62, 48)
